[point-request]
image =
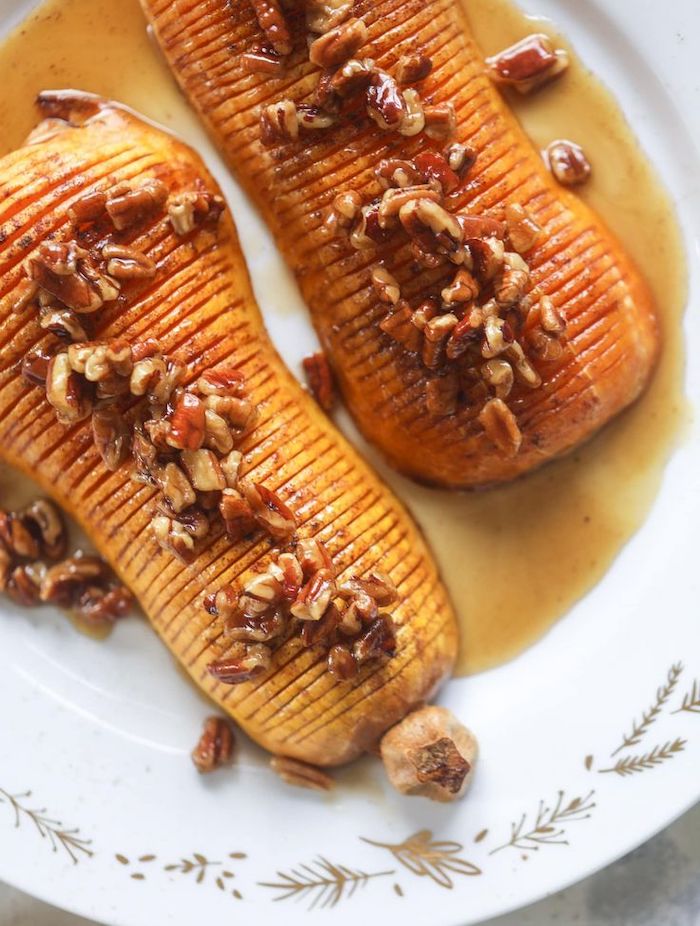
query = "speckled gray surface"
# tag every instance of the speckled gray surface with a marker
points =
(658, 885)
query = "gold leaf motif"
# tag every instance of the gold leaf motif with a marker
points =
(548, 828)
(58, 836)
(322, 882)
(649, 717)
(632, 765)
(427, 858)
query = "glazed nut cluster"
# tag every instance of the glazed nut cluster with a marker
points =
(34, 567)
(347, 82)
(299, 595)
(478, 335)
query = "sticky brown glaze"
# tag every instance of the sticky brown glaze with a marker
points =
(613, 339)
(201, 310)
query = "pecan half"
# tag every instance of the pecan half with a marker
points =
(269, 510)
(215, 745)
(136, 204)
(412, 69)
(273, 23)
(433, 166)
(568, 162)
(338, 45)
(248, 661)
(320, 379)
(501, 427)
(528, 64)
(237, 514)
(126, 263)
(300, 774)
(523, 231)
(376, 642)
(261, 61)
(65, 271)
(386, 105)
(187, 422)
(67, 391)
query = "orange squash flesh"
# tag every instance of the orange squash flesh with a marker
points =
(201, 310)
(613, 337)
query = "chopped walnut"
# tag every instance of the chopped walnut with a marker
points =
(430, 754)
(301, 774)
(320, 379)
(501, 427)
(338, 45)
(568, 162)
(527, 65)
(99, 361)
(272, 21)
(215, 746)
(412, 69)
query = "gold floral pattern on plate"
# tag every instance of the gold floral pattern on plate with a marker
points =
(548, 826)
(428, 858)
(57, 833)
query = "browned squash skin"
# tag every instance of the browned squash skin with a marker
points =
(613, 333)
(201, 309)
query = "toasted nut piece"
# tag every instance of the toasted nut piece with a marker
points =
(222, 380)
(89, 208)
(513, 282)
(339, 44)
(568, 162)
(136, 204)
(64, 271)
(440, 121)
(46, 521)
(461, 158)
(399, 326)
(279, 123)
(348, 81)
(379, 586)
(436, 334)
(411, 69)
(239, 412)
(433, 167)
(463, 288)
(394, 199)
(176, 488)
(430, 754)
(497, 337)
(35, 366)
(215, 746)
(261, 61)
(386, 286)
(23, 582)
(320, 379)
(481, 226)
(204, 470)
(312, 117)
(498, 374)
(315, 597)
(488, 255)
(16, 538)
(441, 395)
(174, 537)
(346, 207)
(269, 510)
(236, 513)
(367, 231)
(249, 661)
(112, 436)
(377, 642)
(60, 582)
(524, 370)
(125, 263)
(386, 104)
(501, 427)
(527, 65)
(231, 467)
(413, 121)
(395, 172)
(301, 775)
(67, 391)
(272, 22)
(324, 15)
(146, 375)
(425, 313)
(64, 323)
(341, 663)
(187, 423)
(217, 434)
(523, 231)
(312, 556)
(98, 362)
(552, 320)
(433, 227)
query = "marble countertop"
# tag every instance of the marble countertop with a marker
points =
(657, 885)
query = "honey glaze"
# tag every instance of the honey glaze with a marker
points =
(515, 558)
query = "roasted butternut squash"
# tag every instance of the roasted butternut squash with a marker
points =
(612, 333)
(199, 308)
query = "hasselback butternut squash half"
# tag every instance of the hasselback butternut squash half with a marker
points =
(187, 451)
(491, 346)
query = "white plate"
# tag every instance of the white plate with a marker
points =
(100, 733)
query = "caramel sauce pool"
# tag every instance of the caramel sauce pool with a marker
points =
(516, 558)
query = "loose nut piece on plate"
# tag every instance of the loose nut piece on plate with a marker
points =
(430, 754)
(527, 65)
(568, 162)
(215, 745)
